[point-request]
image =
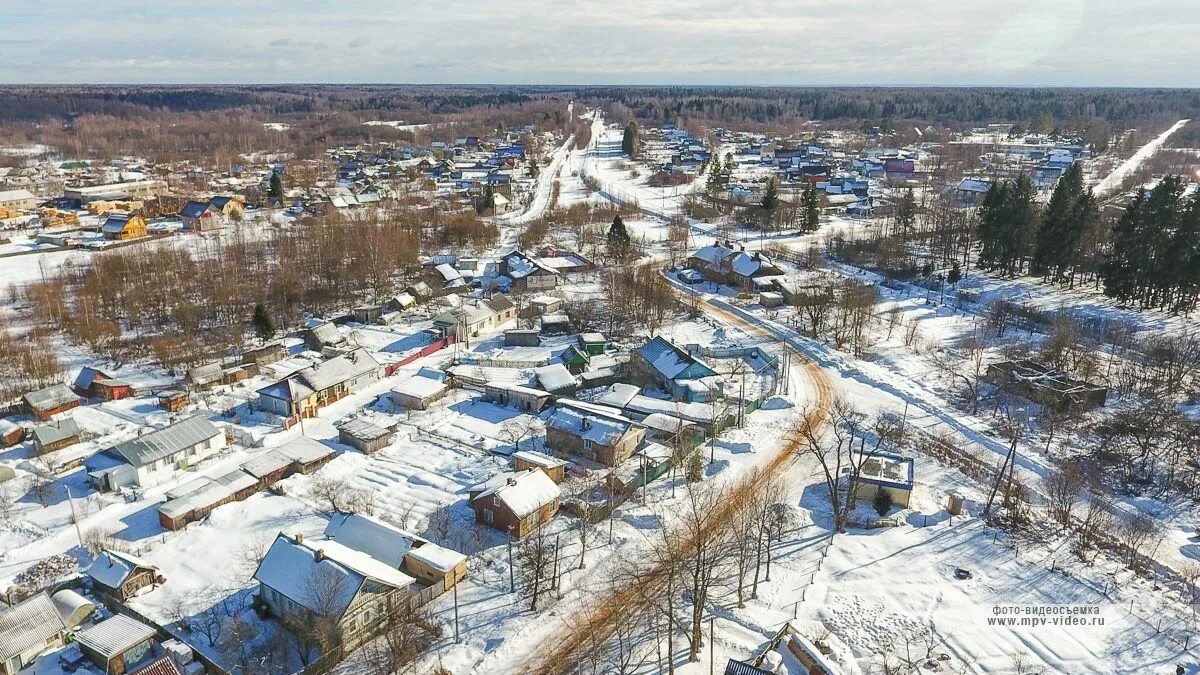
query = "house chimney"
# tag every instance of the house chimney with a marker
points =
(320, 555)
(299, 538)
(511, 480)
(585, 424)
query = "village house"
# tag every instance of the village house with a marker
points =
(421, 390)
(124, 226)
(28, 629)
(593, 433)
(323, 335)
(724, 265)
(515, 503)
(201, 217)
(527, 273)
(516, 396)
(302, 455)
(267, 354)
(413, 555)
(120, 575)
(205, 377)
(556, 379)
(56, 435)
(675, 371)
(121, 645)
(310, 582)
(475, 319)
(46, 403)
(522, 338)
(303, 393)
(367, 437)
(154, 457)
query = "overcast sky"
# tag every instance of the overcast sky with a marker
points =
(1035, 42)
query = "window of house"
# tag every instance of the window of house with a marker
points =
(587, 444)
(488, 517)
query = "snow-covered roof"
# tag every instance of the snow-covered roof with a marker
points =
(363, 430)
(590, 425)
(51, 397)
(420, 387)
(538, 459)
(304, 450)
(619, 395)
(524, 492)
(55, 432)
(72, 607)
(115, 635)
(27, 625)
(112, 568)
(670, 361)
(327, 334)
(339, 369)
(439, 558)
(380, 540)
(166, 442)
(448, 272)
(554, 377)
(323, 574)
(266, 464)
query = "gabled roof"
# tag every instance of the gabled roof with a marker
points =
(166, 442)
(323, 575)
(523, 492)
(382, 541)
(667, 359)
(194, 209)
(590, 424)
(87, 375)
(50, 398)
(112, 568)
(117, 222)
(28, 624)
(55, 432)
(327, 334)
(115, 635)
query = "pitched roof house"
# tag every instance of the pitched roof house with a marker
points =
(28, 629)
(727, 266)
(673, 370)
(593, 433)
(302, 581)
(517, 503)
(120, 575)
(154, 457)
(404, 551)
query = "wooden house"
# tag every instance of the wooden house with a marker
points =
(264, 355)
(11, 433)
(553, 467)
(593, 344)
(527, 273)
(593, 433)
(516, 503)
(124, 226)
(46, 403)
(85, 381)
(205, 377)
(201, 217)
(120, 575)
(172, 400)
(724, 265)
(53, 436)
(156, 456)
(119, 645)
(674, 370)
(368, 587)
(110, 389)
(367, 437)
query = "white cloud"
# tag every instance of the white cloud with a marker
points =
(1079, 42)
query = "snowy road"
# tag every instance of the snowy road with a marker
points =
(1112, 182)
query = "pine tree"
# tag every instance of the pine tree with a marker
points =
(264, 324)
(812, 208)
(1061, 228)
(714, 175)
(276, 190)
(618, 239)
(955, 274)
(770, 198)
(629, 142)
(1120, 269)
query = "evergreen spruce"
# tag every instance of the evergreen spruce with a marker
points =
(812, 208)
(770, 198)
(618, 239)
(264, 324)
(629, 142)
(275, 191)
(906, 215)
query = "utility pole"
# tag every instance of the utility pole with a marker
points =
(74, 519)
(712, 639)
(512, 584)
(456, 638)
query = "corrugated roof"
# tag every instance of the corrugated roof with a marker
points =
(51, 397)
(29, 623)
(54, 432)
(115, 635)
(166, 442)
